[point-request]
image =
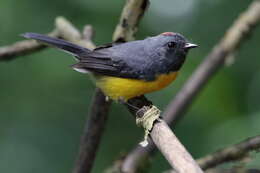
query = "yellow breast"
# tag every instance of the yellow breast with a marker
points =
(122, 88)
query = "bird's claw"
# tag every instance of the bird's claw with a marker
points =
(149, 116)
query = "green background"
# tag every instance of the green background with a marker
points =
(44, 103)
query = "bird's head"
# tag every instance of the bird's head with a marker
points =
(175, 43)
(170, 48)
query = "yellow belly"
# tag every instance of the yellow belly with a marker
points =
(122, 88)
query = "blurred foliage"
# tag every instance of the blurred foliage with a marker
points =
(43, 103)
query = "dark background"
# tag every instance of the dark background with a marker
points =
(44, 103)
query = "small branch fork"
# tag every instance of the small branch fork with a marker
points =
(233, 39)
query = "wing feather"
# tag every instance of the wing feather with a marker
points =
(101, 61)
(105, 66)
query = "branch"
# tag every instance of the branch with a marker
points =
(234, 37)
(92, 133)
(63, 29)
(129, 20)
(229, 154)
(22, 48)
(229, 44)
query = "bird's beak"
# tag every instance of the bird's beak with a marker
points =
(190, 46)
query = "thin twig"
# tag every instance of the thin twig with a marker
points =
(234, 37)
(89, 37)
(88, 33)
(229, 154)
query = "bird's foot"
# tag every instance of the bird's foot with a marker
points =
(107, 99)
(145, 118)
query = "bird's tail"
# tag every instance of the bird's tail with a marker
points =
(68, 47)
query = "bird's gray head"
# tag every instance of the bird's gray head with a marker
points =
(170, 49)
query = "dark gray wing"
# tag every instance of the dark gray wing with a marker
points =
(105, 60)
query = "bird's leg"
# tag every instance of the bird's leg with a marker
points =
(122, 101)
(146, 114)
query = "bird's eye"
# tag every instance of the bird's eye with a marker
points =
(171, 44)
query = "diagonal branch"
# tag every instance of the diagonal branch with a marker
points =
(234, 37)
(232, 40)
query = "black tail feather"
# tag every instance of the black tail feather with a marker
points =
(59, 43)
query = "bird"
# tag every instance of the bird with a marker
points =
(127, 70)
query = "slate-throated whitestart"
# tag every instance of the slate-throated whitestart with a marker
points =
(126, 70)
